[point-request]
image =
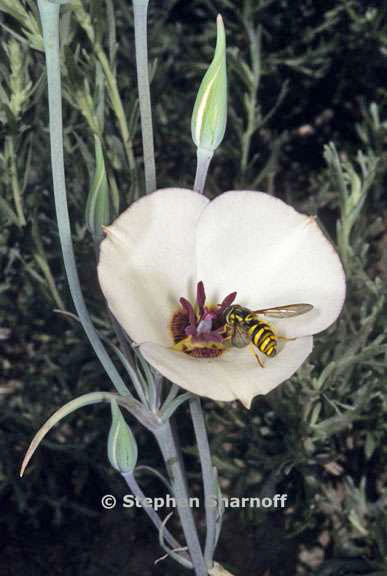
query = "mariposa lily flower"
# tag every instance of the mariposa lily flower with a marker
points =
(173, 262)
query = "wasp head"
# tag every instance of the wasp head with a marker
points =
(235, 314)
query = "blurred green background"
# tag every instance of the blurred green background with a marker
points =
(301, 75)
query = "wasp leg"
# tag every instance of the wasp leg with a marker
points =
(228, 335)
(252, 350)
(228, 342)
(284, 338)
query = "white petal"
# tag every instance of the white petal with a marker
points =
(234, 375)
(273, 256)
(147, 261)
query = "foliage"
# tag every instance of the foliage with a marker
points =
(300, 77)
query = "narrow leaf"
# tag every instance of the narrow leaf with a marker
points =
(80, 402)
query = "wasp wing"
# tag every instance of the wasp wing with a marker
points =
(240, 338)
(288, 311)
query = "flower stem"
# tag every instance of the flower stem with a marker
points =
(204, 158)
(167, 443)
(49, 13)
(140, 8)
(208, 477)
(152, 514)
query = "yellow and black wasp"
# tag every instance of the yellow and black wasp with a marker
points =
(244, 327)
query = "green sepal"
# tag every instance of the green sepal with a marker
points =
(209, 116)
(98, 207)
(122, 445)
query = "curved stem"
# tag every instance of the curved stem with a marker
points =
(151, 512)
(166, 441)
(208, 477)
(140, 9)
(49, 13)
(134, 407)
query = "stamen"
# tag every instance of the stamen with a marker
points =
(200, 334)
(191, 316)
(178, 325)
(227, 301)
(200, 296)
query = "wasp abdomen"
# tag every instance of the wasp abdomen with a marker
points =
(262, 336)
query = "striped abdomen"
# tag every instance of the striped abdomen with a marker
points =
(262, 336)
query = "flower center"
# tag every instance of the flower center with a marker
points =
(199, 330)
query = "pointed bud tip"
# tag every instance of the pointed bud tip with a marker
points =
(220, 26)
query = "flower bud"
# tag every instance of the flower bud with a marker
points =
(209, 117)
(122, 445)
(98, 212)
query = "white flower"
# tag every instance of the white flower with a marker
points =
(160, 251)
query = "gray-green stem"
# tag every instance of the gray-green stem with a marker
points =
(140, 8)
(208, 477)
(152, 514)
(166, 441)
(49, 13)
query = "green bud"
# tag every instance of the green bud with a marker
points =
(98, 212)
(122, 445)
(209, 117)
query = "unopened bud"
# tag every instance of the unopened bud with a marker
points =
(122, 445)
(209, 117)
(98, 212)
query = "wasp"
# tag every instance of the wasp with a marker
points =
(244, 327)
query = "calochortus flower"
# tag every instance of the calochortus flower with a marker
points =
(173, 264)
